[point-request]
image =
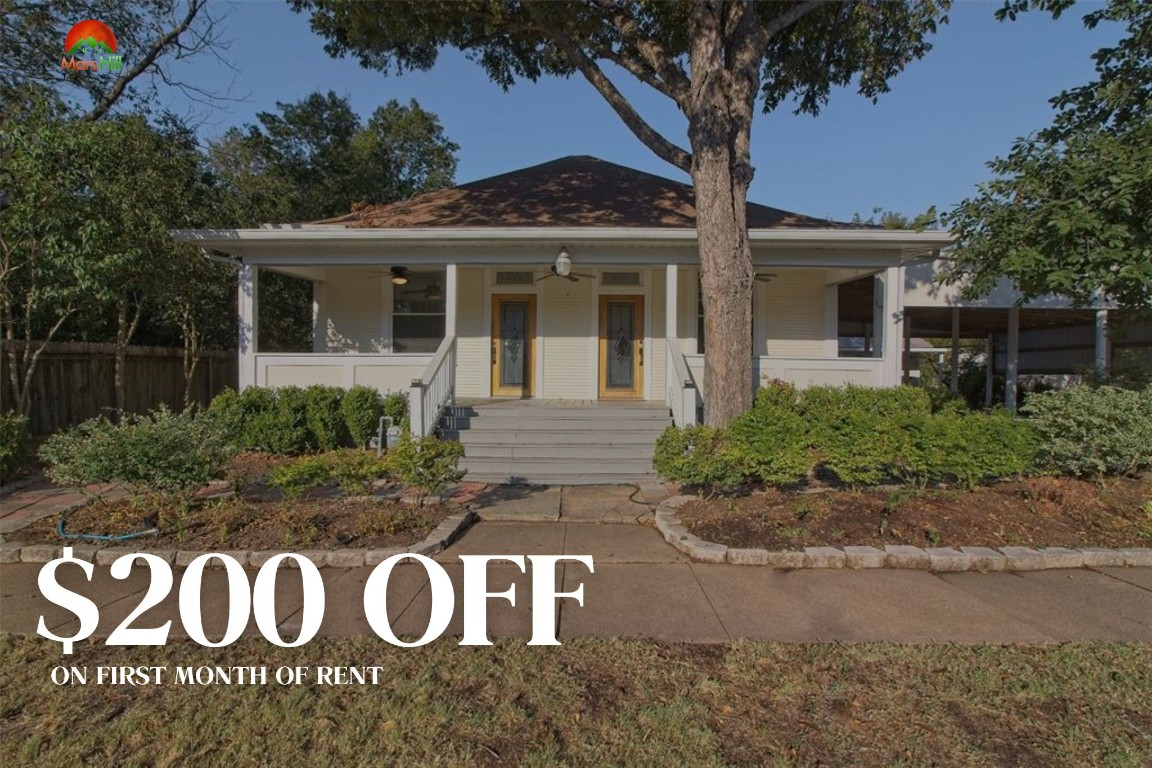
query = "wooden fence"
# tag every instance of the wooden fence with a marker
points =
(75, 381)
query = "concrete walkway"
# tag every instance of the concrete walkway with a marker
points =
(644, 588)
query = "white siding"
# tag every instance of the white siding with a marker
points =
(567, 338)
(790, 309)
(355, 315)
(473, 360)
(655, 348)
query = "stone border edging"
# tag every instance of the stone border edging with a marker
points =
(448, 531)
(936, 559)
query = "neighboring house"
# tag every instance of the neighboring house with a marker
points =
(575, 280)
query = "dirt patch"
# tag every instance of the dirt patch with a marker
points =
(360, 522)
(1038, 512)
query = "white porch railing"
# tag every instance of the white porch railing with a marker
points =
(434, 391)
(385, 372)
(805, 371)
(681, 395)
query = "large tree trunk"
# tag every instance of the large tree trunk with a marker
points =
(725, 77)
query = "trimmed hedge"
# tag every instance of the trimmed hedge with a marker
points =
(294, 421)
(861, 435)
(13, 436)
(1094, 431)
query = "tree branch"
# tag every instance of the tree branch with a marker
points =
(662, 147)
(798, 11)
(677, 85)
(158, 47)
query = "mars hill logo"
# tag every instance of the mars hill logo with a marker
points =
(91, 47)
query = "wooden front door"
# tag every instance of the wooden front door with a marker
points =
(513, 345)
(622, 347)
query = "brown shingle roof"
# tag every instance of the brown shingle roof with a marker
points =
(575, 191)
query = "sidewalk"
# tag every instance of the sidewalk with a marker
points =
(644, 588)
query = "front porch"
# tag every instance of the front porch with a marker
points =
(619, 331)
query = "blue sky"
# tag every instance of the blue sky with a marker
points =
(925, 143)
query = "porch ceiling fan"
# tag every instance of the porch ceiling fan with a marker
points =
(563, 268)
(765, 277)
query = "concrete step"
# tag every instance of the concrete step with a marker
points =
(563, 479)
(579, 451)
(551, 437)
(653, 426)
(557, 466)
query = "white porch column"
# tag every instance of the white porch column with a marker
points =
(451, 291)
(1012, 365)
(671, 302)
(892, 327)
(319, 316)
(954, 383)
(248, 286)
(831, 321)
(906, 360)
(989, 370)
(1101, 343)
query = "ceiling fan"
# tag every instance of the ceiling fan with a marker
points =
(765, 277)
(563, 268)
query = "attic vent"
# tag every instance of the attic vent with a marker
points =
(514, 278)
(620, 278)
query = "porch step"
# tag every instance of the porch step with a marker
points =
(542, 445)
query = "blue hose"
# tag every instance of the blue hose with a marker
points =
(99, 536)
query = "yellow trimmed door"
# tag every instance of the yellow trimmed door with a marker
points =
(621, 347)
(513, 345)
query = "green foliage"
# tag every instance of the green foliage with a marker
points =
(300, 476)
(324, 417)
(968, 448)
(163, 451)
(699, 456)
(395, 407)
(361, 411)
(772, 437)
(13, 452)
(426, 463)
(1094, 431)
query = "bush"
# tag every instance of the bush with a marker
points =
(13, 436)
(969, 448)
(361, 411)
(395, 407)
(165, 452)
(426, 464)
(1094, 431)
(699, 456)
(354, 470)
(771, 439)
(324, 418)
(300, 476)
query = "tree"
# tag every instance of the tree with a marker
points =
(715, 60)
(1069, 210)
(150, 35)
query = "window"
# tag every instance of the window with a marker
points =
(418, 312)
(620, 278)
(514, 278)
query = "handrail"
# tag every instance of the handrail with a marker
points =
(681, 395)
(434, 391)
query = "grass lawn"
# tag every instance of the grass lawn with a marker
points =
(594, 702)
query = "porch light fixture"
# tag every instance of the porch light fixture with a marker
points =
(563, 263)
(399, 275)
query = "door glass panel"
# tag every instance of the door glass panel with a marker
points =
(513, 345)
(621, 341)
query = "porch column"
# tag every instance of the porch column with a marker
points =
(907, 359)
(892, 327)
(1101, 344)
(671, 302)
(989, 370)
(319, 316)
(831, 321)
(248, 286)
(954, 383)
(1012, 365)
(450, 293)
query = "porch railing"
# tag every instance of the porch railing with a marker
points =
(681, 388)
(434, 391)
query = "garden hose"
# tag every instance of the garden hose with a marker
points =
(154, 531)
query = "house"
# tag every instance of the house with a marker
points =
(572, 282)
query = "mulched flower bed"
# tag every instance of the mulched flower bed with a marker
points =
(1037, 512)
(256, 518)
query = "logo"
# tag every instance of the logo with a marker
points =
(91, 47)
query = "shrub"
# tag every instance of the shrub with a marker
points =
(290, 422)
(165, 452)
(324, 418)
(771, 439)
(1094, 431)
(699, 456)
(300, 476)
(13, 452)
(969, 448)
(355, 470)
(395, 407)
(427, 464)
(361, 412)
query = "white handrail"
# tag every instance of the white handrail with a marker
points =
(681, 394)
(434, 391)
